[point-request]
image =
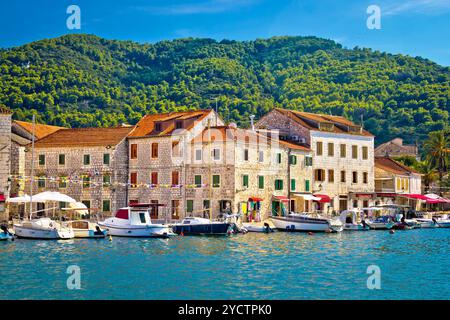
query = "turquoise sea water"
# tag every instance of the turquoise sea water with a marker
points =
(414, 265)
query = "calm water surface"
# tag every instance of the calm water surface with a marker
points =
(414, 265)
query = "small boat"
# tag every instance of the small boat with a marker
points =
(134, 221)
(381, 223)
(42, 228)
(350, 220)
(202, 226)
(426, 223)
(87, 229)
(443, 222)
(255, 227)
(305, 223)
(5, 234)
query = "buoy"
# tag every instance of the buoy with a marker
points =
(182, 233)
(391, 231)
(110, 238)
(311, 233)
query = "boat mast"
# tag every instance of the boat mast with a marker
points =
(32, 165)
(210, 171)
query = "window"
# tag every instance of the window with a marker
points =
(133, 179)
(175, 209)
(106, 206)
(365, 153)
(62, 205)
(198, 180)
(355, 177)
(198, 155)
(245, 180)
(319, 148)
(278, 158)
(278, 184)
(261, 182)
(355, 152)
(106, 159)
(154, 177)
(331, 149)
(216, 154)
(307, 185)
(399, 184)
(42, 159)
(154, 150)
(190, 206)
(41, 182)
(245, 154)
(157, 127)
(106, 180)
(86, 182)
(261, 156)
(343, 176)
(133, 151)
(355, 203)
(308, 161)
(142, 217)
(319, 175)
(293, 160)
(175, 177)
(179, 125)
(293, 184)
(62, 159)
(216, 181)
(331, 175)
(87, 203)
(365, 177)
(87, 159)
(63, 182)
(176, 149)
(343, 151)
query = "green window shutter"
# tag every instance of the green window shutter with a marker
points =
(42, 159)
(198, 180)
(216, 181)
(190, 206)
(278, 157)
(106, 207)
(245, 180)
(261, 182)
(62, 159)
(106, 158)
(308, 161)
(86, 159)
(293, 160)
(278, 184)
(292, 184)
(306, 185)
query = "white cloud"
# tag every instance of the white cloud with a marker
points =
(204, 7)
(433, 7)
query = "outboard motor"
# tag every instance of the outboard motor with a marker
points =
(267, 228)
(5, 230)
(98, 231)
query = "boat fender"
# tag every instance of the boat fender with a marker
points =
(310, 233)
(391, 231)
(110, 238)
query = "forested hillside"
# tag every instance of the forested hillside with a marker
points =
(84, 80)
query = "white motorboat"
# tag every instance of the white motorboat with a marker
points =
(376, 220)
(258, 227)
(87, 229)
(305, 223)
(42, 228)
(443, 222)
(134, 221)
(426, 223)
(351, 220)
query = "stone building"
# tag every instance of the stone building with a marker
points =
(343, 156)
(396, 148)
(5, 158)
(394, 182)
(88, 164)
(244, 171)
(157, 159)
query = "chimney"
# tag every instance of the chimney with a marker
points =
(252, 117)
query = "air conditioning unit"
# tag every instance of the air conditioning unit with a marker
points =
(295, 138)
(302, 140)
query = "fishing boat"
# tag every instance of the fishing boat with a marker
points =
(135, 221)
(202, 226)
(351, 219)
(5, 234)
(87, 229)
(258, 227)
(42, 228)
(381, 223)
(305, 222)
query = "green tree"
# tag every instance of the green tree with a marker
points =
(437, 150)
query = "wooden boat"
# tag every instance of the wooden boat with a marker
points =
(134, 221)
(351, 219)
(87, 229)
(42, 228)
(305, 223)
(202, 226)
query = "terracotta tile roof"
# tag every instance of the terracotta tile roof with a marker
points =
(4, 110)
(41, 130)
(146, 126)
(312, 121)
(85, 137)
(390, 165)
(393, 148)
(224, 133)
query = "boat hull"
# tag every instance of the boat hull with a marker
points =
(5, 236)
(293, 224)
(380, 225)
(84, 233)
(148, 231)
(202, 229)
(443, 224)
(31, 233)
(257, 228)
(355, 227)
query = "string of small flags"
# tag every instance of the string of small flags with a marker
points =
(76, 180)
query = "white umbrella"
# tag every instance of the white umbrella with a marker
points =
(52, 196)
(21, 199)
(79, 207)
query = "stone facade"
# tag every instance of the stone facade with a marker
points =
(5, 158)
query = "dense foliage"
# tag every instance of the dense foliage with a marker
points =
(84, 80)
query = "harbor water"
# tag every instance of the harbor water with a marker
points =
(414, 264)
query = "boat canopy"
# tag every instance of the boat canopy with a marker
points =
(323, 198)
(255, 199)
(45, 196)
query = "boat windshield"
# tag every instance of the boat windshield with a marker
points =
(139, 217)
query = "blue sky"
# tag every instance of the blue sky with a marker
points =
(414, 27)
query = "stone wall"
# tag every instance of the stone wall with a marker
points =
(5, 160)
